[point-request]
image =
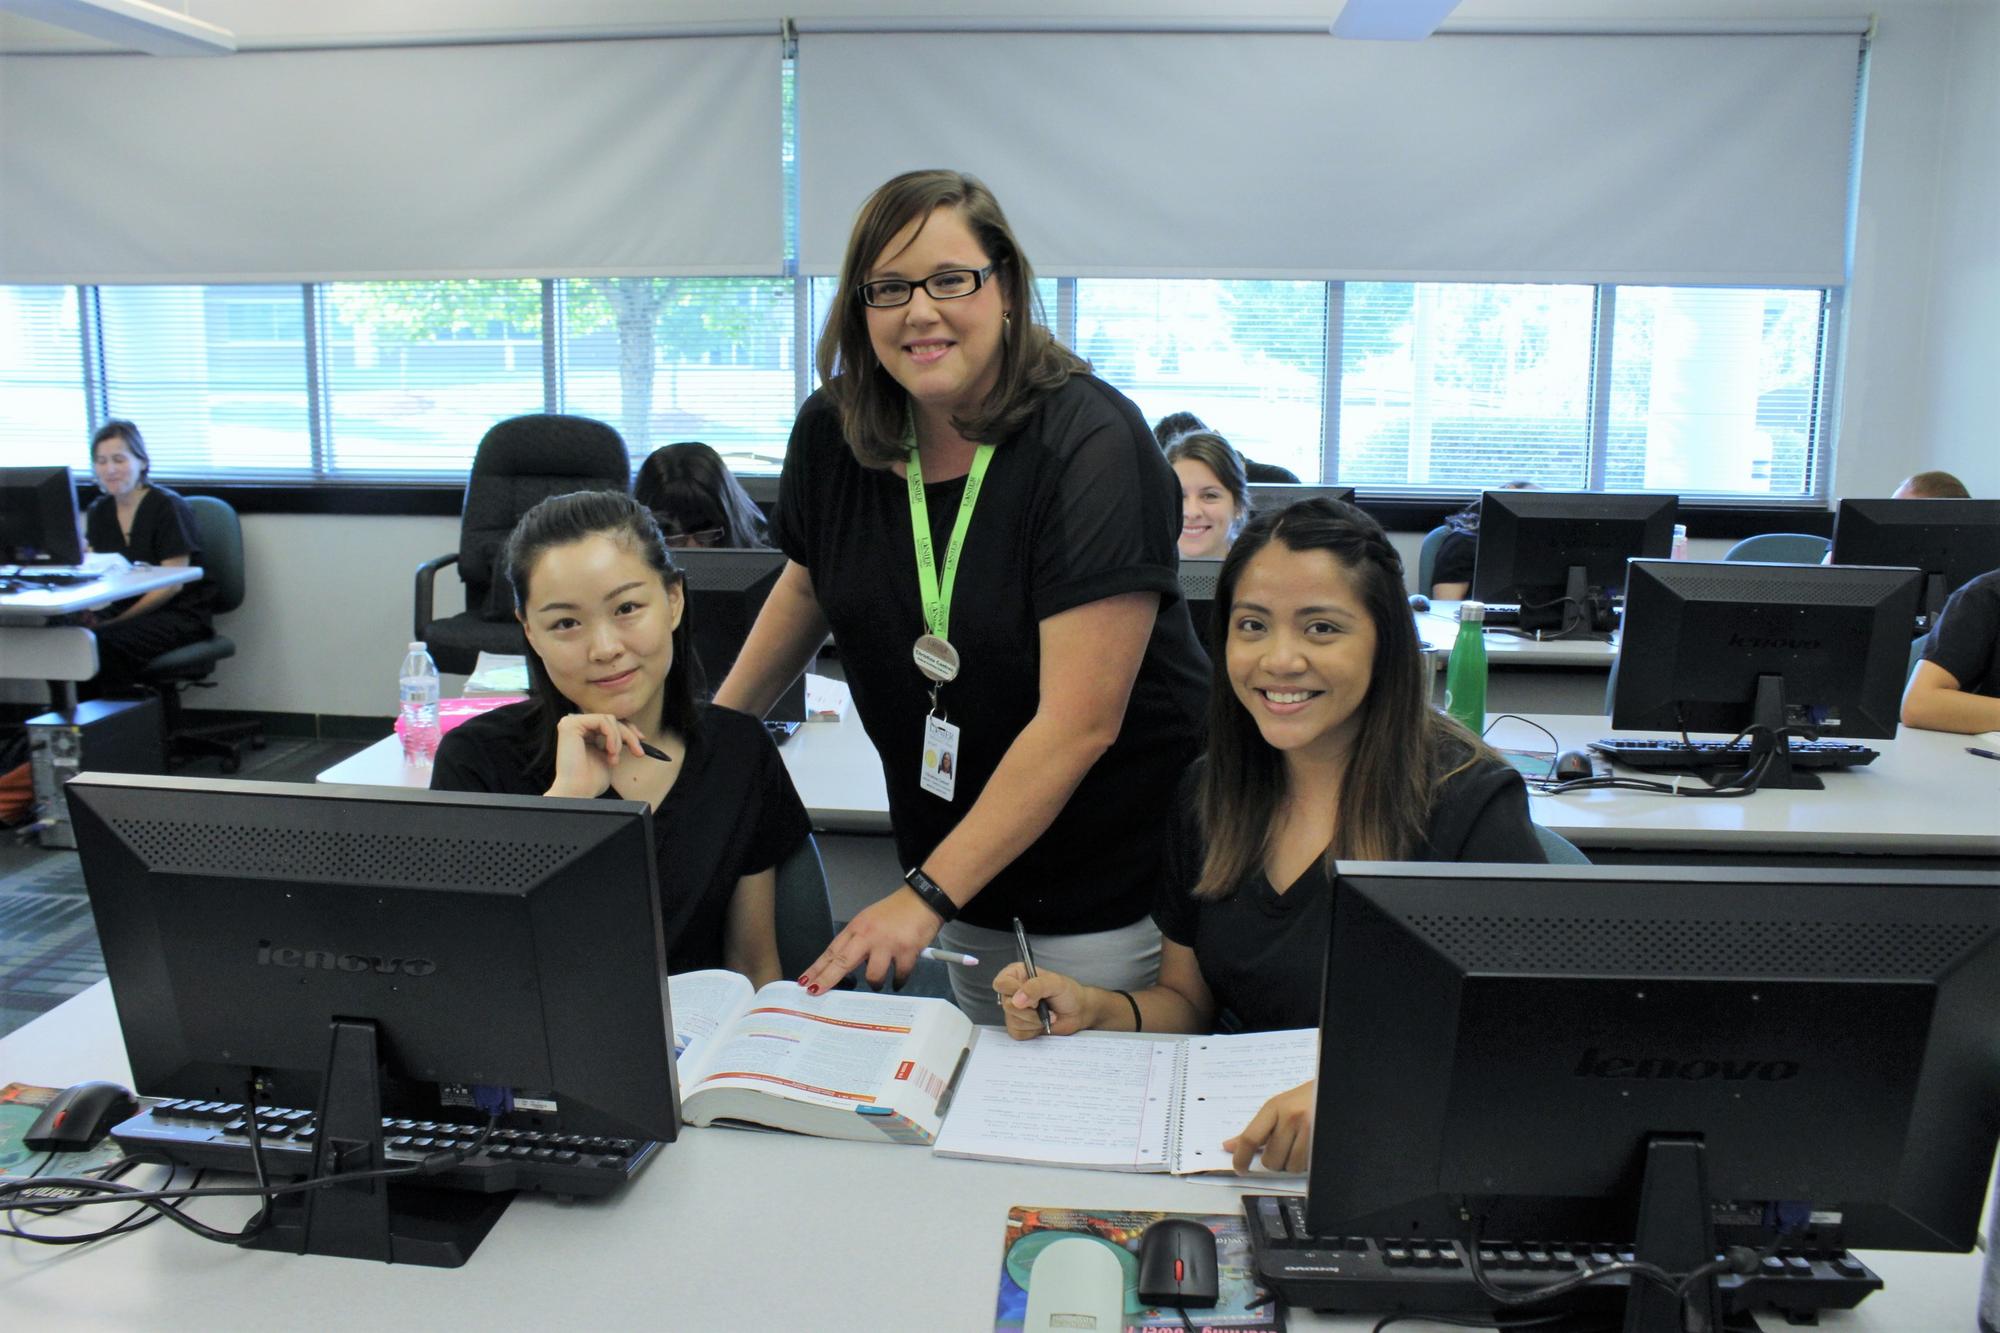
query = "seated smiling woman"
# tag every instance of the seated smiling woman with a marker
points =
(1322, 744)
(612, 712)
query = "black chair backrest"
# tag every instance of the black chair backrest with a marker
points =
(221, 536)
(521, 462)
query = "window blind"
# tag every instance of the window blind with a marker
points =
(1661, 159)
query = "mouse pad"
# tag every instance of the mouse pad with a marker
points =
(1031, 1230)
(20, 1106)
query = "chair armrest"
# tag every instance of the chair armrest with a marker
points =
(427, 588)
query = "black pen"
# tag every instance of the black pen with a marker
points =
(1983, 754)
(652, 752)
(1028, 962)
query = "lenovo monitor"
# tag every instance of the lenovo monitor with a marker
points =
(1950, 542)
(38, 518)
(1664, 1061)
(1562, 554)
(374, 954)
(726, 589)
(1789, 650)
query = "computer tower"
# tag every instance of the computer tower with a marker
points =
(101, 736)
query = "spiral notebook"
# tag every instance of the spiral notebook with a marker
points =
(1117, 1102)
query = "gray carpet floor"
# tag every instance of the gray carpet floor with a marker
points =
(48, 943)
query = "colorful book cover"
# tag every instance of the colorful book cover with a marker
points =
(1030, 1230)
(20, 1106)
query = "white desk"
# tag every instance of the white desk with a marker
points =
(831, 763)
(724, 1230)
(1923, 797)
(34, 649)
(1524, 674)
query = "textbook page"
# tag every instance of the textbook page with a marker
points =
(1090, 1099)
(1228, 1081)
(702, 1002)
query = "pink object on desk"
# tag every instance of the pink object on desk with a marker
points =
(451, 712)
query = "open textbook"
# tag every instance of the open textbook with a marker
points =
(1118, 1102)
(843, 1065)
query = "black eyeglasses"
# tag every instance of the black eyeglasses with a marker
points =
(680, 541)
(949, 285)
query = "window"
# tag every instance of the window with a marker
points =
(1248, 358)
(667, 359)
(416, 372)
(1715, 390)
(44, 417)
(1465, 385)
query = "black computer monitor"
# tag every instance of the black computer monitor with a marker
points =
(1787, 649)
(38, 519)
(1951, 542)
(1562, 554)
(366, 952)
(1665, 1059)
(1198, 579)
(726, 589)
(1267, 496)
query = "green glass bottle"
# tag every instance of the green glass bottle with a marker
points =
(1465, 677)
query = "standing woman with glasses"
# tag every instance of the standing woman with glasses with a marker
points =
(988, 531)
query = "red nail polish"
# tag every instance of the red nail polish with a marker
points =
(812, 990)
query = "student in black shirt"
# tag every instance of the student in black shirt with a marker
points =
(1956, 686)
(148, 525)
(1458, 553)
(697, 500)
(1322, 745)
(1077, 695)
(610, 674)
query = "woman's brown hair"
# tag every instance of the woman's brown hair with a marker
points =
(1404, 748)
(873, 406)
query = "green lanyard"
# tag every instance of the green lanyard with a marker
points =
(936, 587)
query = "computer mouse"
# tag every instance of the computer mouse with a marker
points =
(80, 1116)
(1571, 764)
(1419, 603)
(1177, 1268)
(1075, 1283)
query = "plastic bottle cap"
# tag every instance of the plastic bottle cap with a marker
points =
(1471, 613)
(417, 646)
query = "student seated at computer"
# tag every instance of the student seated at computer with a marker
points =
(1176, 424)
(1322, 744)
(1458, 553)
(1956, 686)
(610, 674)
(697, 500)
(148, 525)
(1215, 495)
(1933, 485)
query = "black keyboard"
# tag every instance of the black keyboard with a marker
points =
(216, 1136)
(54, 576)
(1384, 1274)
(1672, 752)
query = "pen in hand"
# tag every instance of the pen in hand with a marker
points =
(947, 956)
(1028, 964)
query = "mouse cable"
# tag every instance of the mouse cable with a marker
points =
(1473, 1321)
(138, 1219)
(1502, 1296)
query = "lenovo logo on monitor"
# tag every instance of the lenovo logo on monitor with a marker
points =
(1595, 1065)
(326, 960)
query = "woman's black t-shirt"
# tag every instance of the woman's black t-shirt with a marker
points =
(732, 813)
(1263, 953)
(162, 528)
(1077, 506)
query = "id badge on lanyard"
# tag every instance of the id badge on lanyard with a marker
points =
(933, 652)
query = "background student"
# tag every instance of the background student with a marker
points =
(1077, 695)
(1458, 553)
(697, 500)
(1176, 424)
(1932, 485)
(148, 525)
(1215, 497)
(1322, 744)
(1956, 686)
(610, 677)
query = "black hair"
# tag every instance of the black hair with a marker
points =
(690, 489)
(1176, 424)
(119, 429)
(558, 521)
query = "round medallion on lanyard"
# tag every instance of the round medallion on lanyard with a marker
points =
(936, 658)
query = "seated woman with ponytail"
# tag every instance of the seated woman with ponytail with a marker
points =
(1322, 745)
(613, 712)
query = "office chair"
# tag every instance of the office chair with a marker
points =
(1560, 850)
(1781, 548)
(521, 462)
(804, 913)
(1427, 558)
(220, 535)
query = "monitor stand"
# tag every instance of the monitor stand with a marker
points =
(1676, 1231)
(1582, 612)
(1771, 736)
(391, 1221)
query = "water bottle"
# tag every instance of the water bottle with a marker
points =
(1465, 677)
(1679, 550)
(417, 720)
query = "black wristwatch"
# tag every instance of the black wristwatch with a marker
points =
(934, 897)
